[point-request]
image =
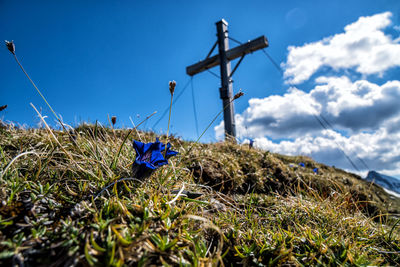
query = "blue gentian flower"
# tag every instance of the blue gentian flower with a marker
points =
(315, 170)
(149, 157)
(302, 164)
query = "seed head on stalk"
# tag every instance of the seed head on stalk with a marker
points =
(113, 120)
(239, 94)
(172, 85)
(10, 46)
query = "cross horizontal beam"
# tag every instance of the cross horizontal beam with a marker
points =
(231, 54)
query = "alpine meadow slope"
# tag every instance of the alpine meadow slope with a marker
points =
(70, 199)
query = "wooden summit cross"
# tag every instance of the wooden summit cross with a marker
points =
(223, 59)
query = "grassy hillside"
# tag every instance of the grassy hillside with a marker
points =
(256, 208)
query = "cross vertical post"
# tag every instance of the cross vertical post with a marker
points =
(224, 57)
(226, 90)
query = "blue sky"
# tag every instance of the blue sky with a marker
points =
(94, 58)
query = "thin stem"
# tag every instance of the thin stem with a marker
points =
(55, 138)
(137, 132)
(169, 121)
(37, 89)
(40, 93)
(119, 180)
(114, 164)
(111, 125)
(209, 125)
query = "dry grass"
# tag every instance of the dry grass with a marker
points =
(256, 208)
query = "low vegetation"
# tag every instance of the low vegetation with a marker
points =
(253, 207)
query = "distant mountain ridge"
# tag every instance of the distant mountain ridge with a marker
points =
(385, 181)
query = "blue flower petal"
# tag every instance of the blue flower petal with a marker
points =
(150, 156)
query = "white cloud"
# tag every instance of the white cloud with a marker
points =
(348, 106)
(363, 116)
(356, 106)
(276, 115)
(363, 46)
(379, 150)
